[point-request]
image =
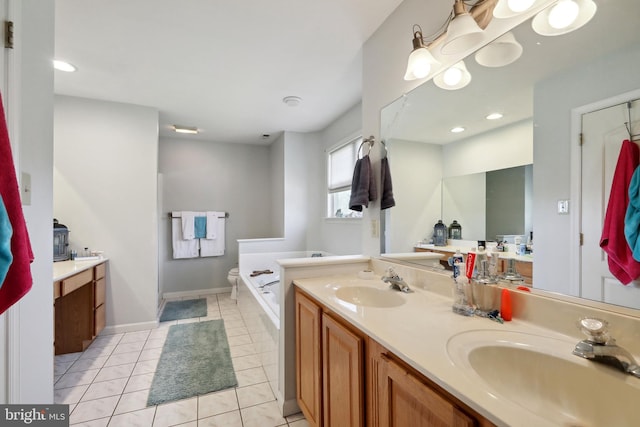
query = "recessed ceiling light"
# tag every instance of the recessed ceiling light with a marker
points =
(494, 116)
(292, 101)
(63, 66)
(185, 129)
(457, 129)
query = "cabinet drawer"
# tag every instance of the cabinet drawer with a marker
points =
(100, 271)
(57, 289)
(74, 282)
(100, 292)
(99, 320)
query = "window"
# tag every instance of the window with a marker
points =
(340, 172)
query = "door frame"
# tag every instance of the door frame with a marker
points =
(575, 212)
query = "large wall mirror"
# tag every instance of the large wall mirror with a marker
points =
(425, 155)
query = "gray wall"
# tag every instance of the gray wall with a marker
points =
(205, 176)
(605, 78)
(105, 191)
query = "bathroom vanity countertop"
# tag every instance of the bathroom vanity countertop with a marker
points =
(419, 332)
(64, 269)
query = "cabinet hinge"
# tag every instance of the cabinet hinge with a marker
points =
(8, 34)
(581, 239)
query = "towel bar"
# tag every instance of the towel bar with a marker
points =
(179, 215)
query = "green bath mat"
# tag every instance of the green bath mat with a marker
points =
(185, 309)
(195, 360)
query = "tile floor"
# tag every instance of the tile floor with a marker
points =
(108, 384)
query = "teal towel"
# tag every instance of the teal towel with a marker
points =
(632, 217)
(6, 231)
(200, 227)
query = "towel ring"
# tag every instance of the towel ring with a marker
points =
(370, 141)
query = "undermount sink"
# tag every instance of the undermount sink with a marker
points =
(369, 296)
(541, 375)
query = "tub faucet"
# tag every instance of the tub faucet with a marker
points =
(395, 281)
(600, 347)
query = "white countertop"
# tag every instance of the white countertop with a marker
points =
(64, 269)
(465, 250)
(418, 332)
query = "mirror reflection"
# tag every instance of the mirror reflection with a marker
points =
(424, 153)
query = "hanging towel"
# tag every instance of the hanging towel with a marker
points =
(386, 200)
(6, 231)
(18, 280)
(200, 227)
(182, 248)
(212, 224)
(632, 218)
(613, 241)
(188, 225)
(214, 247)
(363, 185)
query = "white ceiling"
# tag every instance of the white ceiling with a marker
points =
(223, 66)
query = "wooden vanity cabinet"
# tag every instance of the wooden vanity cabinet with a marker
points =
(79, 309)
(329, 367)
(331, 388)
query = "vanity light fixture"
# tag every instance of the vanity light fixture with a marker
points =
(185, 129)
(494, 116)
(457, 129)
(420, 60)
(454, 77)
(63, 66)
(502, 51)
(463, 32)
(563, 17)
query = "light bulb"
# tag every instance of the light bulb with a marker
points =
(563, 14)
(519, 5)
(452, 76)
(419, 63)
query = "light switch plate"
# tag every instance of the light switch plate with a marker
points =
(25, 189)
(375, 228)
(563, 207)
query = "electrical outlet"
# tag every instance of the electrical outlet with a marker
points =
(563, 207)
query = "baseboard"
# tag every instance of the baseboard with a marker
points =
(129, 327)
(287, 407)
(196, 293)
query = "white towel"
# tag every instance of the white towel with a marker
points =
(182, 248)
(214, 247)
(212, 224)
(188, 225)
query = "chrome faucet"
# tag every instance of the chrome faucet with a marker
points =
(601, 347)
(395, 281)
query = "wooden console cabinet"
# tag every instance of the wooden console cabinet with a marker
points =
(332, 390)
(79, 309)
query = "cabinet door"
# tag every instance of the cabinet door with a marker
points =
(403, 400)
(308, 359)
(342, 362)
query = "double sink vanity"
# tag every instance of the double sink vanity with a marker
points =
(370, 355)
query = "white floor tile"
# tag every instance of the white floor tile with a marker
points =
(134, 401)
(217, 403)
(72, 379)
(246, 362)
(98, 390)
(115, 372)
(84, 364)
(145, 367)
(69, 395)
(254, 395)
(264, 415)
(139, 382)
(242, 350)
(102, 422)
(173, 413)
(154, 343)
(128, 347)
(299, 423)
(94, 352)
(239, 340)
(122, 358)
(135, 336)
(251, 376)
(228, 419)
(141, 418)
(150, 354)
(93, 409)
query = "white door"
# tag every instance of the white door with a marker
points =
(603, 132)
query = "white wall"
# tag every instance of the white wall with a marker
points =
(204, 176)
(277, 192)
(105, 191)
(608, 77)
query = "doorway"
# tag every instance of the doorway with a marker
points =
(603, 131)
